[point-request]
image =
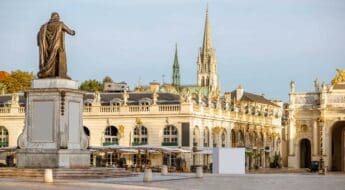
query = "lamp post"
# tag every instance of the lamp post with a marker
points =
(322, 170)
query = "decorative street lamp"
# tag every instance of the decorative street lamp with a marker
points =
(322, 170)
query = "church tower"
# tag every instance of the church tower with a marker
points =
(207, 62)
(176, 70)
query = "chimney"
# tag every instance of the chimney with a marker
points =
(154, 86)
(239, 92)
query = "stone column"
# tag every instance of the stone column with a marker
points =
(315, 139)
(263, 158)
(179, 133)
(291, 138)
(210, 141)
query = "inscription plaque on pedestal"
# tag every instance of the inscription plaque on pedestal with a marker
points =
(42, 128)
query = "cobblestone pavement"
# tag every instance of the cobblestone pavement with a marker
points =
(304, 181)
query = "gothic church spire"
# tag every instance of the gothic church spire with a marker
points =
(176, 70)
(207, 41)
(207, 61)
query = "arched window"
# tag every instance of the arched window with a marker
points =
(140, 135)
(246, 109)
(241, 139)
(206, 137)
(214, 138)
(111, 136)
(86, 131)
(87, 105)
(278, 141)
(261, 140)
(223, 138)
(3, 137)
(207, 81)
(269, 140)
(170, 136)
(196, 136)
(273, 142)
(115, 104)
(233, 138)
(255, 140)
(202, 81)
(251, 139)
(144, 104)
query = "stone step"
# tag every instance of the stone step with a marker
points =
(62, 173)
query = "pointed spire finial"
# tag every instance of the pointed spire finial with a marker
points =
(176, 57)
(207, 41)
(176, 69)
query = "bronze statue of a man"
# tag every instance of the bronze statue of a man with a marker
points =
(52, 55)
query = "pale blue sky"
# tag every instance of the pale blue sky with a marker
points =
(261, 44)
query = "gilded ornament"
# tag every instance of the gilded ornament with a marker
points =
(122, 130)
(339, 78)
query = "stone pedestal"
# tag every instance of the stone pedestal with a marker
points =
(164, 170)
(147, 175)
(48, 176)
(53, 134)
(292, 162)
(199, 172)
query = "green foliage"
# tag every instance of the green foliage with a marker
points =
(91, 86)
(249, 154)
(17, 81)
(107, 79)
(3, 144)
(169, 143)
(110, 143)
(276, 161)
(137, 143)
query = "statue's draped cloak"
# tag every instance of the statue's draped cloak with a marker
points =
(52, 51)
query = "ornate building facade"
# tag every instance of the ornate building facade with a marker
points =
(193, 118)
(316, 127)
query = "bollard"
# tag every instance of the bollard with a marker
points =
(199, 172)
(147, 175)
(48, 176)
(164, 170)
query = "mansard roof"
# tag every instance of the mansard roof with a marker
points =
(135, 97)
(6, 98)
(107, 97)
(247, 96)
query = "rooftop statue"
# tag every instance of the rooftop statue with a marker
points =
(52, 55)
(339, 78)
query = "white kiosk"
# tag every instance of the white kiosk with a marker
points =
(228, 161)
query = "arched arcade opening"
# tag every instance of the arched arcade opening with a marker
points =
(305, 153)
(338, 146)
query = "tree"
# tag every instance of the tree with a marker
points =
(3, 75)
(17, 81)
(91, 85)
(107, 79)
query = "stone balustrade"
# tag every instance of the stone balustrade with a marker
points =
(4, 110)
(139, 108)
(169, 108)
(109, 109)
(237, 116)
(21, 110)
